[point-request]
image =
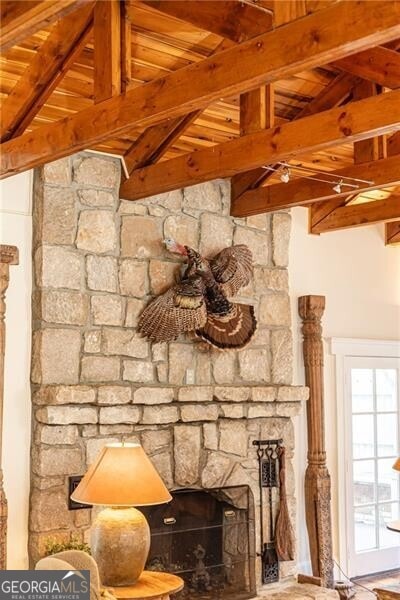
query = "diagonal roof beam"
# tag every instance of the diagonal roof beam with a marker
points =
(356, 120)
(300, 45)
(22, 19)
(354, 215)
(392, 233)
(49, 65)
(230, 19)
(379, 65)
(304, 191)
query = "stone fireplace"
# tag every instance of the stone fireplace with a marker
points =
(196, 411)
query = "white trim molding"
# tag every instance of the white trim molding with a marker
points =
(361, 347)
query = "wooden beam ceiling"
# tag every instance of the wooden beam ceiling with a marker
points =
(379, 65)
(304, 191)
(49, 65)
(107, 50)
(356, 120)
(354, 215)
(23, 18)
(316, 39)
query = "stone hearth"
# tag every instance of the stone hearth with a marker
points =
(97, 261)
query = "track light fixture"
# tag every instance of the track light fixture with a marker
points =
(285, 177)
(338, 187)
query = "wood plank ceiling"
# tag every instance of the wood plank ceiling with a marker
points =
(187, 91)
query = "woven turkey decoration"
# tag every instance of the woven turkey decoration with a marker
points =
(200, 302)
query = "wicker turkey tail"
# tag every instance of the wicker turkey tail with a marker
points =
(283, 531)
(233, 330)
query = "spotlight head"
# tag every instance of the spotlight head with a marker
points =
(285, 177)
(338, 187)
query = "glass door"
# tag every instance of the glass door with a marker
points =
(373, 487)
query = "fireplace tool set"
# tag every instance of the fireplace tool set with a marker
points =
(272, 477)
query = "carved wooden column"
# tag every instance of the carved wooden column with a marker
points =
(317, 479)
(8, 256)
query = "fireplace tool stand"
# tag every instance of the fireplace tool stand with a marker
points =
(268, 463)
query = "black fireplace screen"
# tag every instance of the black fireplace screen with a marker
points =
(206, 537)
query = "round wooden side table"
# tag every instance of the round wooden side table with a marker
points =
(151, 585)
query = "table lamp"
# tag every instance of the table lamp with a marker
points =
(121, 478)
(396, 465)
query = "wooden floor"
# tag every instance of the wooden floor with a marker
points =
(373, 581)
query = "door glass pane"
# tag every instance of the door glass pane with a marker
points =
(363, 436)
(386, 390)
(364, 528)
(387, 434)
(388, 481)
(364, 482)
(362, 390)
(386, 514)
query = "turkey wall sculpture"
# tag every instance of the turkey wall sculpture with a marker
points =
(200, 302)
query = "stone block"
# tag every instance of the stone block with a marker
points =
(95, 446)
(154, 441)
(96, 231)
(224, 367)
(124, 342)
(276, 280)
(217, 470)
(101, 273)
(97, 172)
(64, 307)
(263, 394)
(57, 216)
(233, 437)
(199, 412)
(57, 434)
(195, 393)
(210, 436)
(232, 394)
(100, 368)
(187, 440)
(257, 241)
(183, 229)
(138, 371)
(89, 431)
(216, 233)
(233, 411)
(50, 462)
(169, 200)
(114, 394)
(111, 415)
(282, 356)
(127, 207)
(288, 409)
(134, 308)
(203, 368)
(159, 352)
(74, 394)
(258, 411)
(281, 223)
(57, 172)
(254, 365)
(55, 356)
(96, 198)
(49, 510)
(275, 310)
(119, 429)
(258, 222)
(293, 393)
(157, 415)
(163, 465)
(204, 196)
(67, 415)
(153, 395)
(181, 358)
(162, 372)
(59, 267)
(163, 274)
(133, 278)
(92, 341)
(141, 237)
(106, 310)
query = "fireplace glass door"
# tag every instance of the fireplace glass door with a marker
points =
(207, 538)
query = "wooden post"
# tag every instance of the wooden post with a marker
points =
(317, 479)
(8, 256)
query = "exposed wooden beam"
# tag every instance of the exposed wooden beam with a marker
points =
(23, 18)
(43, 74)
(380, 65)
(371, 148)
(107, 50)
(126, 48)
(354, 215)
(304, 191)
(230, 19)
(318, 211)
(393, 144)
(302, 44)
(287, 10)
(392, 233)
(257, 110)
(354, 121)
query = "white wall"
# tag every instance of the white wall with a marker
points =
(360, 278)
(16, 229)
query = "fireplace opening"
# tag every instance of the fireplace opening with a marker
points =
(208, 538)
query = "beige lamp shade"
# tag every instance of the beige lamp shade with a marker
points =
(122, 475)
(396, 465)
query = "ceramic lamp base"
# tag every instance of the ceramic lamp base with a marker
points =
(120, 544)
